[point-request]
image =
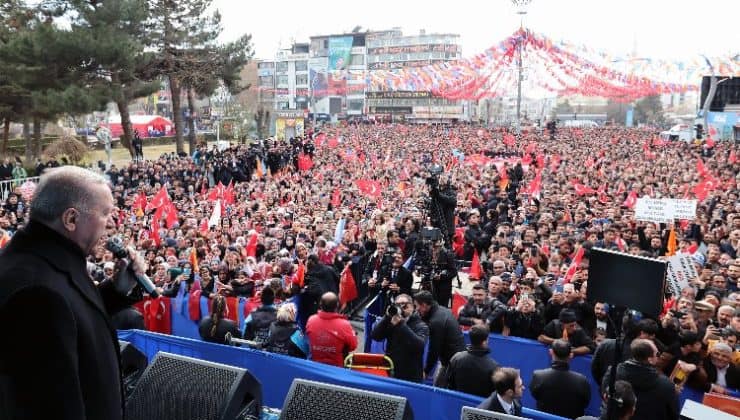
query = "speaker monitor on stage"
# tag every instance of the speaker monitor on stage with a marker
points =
(176, 387)
(470, 413)
(626, 280)
(308, 400)
(133, 363)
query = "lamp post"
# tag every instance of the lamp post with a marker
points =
(521, 6)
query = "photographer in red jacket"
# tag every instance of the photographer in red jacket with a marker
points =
(330, 335)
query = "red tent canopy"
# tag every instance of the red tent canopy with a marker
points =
(146, 125)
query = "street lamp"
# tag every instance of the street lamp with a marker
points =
(521, 6)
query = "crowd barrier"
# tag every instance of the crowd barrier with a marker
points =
(7, 186)
(276, 373)
(526, 355)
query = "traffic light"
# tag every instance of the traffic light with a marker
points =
(699, 131)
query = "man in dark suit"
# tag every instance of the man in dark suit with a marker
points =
(509, 388)
(60, 355)
(445, 338)
(398, 280)
(471, 370)
(558, 390)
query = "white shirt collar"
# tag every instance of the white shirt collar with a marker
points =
(509, 407)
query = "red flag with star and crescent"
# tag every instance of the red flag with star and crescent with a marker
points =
(369, 187)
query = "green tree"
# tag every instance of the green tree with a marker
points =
(46, 66)
(649, 110)
(563, 107)
(111, 32)
(181, 32)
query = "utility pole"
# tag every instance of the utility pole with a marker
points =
(521, 6)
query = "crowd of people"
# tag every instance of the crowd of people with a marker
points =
(277, 220)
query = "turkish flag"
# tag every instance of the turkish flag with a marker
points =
(304, 162)
(252, 246)
(171, 215)
(229, 193)
(300, 274)
(159, 199)
(140, 201)
(369, 187)
(700, 168)
(333, 142)
(582, 189)
(574, 265)
(157, 315)
(476, 272)
(336, 198)
(347, 287)
(458, 301)
(621, 188)
(732, 158)
(194, 304)
(631, 200)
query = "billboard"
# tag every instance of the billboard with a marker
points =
(340, 49)
(398, 94)
(409, 49)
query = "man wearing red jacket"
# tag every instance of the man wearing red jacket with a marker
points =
(330, 335)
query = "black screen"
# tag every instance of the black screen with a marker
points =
(625, 280)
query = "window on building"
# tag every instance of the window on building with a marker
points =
(282, 66)
(265, 65)
(357, 60)
(283, 80)
(355, 105)
(326, 43)
(301, 66)
(283, 105)
(301, 79)
(265, 80)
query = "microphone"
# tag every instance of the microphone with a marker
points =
(114, 244)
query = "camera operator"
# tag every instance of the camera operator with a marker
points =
(406, 335)
(442, 272)
(442, 204)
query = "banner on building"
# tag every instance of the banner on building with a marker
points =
(401, 94)
(340, 49)
(319, 84)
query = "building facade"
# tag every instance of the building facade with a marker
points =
(327, 77)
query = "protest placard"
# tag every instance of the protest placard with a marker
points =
(654, 210)
(684, 209)
(680, 272)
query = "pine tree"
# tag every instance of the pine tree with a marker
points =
(111, 32)
(181, 32)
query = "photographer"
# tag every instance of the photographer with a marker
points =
(442, 204)
(442, 272)
(523, 321)
(406, 335)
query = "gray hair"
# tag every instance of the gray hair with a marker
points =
(286, 313)
(62, 188)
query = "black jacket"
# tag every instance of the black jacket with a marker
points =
(470, 372)
(257, 325)
(732, 376)
(656, 395)
(524, 325)
(60, 357)
(471, 311)
(281, 341)
(492, 404)
(321, 279)
(445, 338)
(604, 357)
(405, 345)
(224, 326)
(559, 391)
(554, 329)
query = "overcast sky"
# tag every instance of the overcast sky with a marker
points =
(661, 28)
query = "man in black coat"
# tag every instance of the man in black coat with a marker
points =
(557, 390)
(470, 371)
(319, 279)
(60, 355)
(406, 335)
(477, 309)
(506, 398)
(445, 338)
(604, 355)
(657, 398)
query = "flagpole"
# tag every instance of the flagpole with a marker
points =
(521, 11)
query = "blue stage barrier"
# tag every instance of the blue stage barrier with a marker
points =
(276, 373)
(528, 356)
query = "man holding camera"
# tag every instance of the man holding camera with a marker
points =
(406, 335)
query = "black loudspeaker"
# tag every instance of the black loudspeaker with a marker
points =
(133, 363)
(470, 413)
(626, 280)
(308, 400)
(175, 387)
